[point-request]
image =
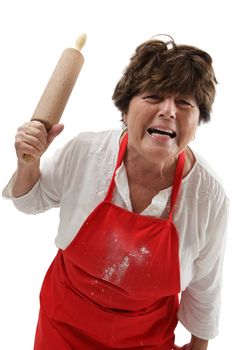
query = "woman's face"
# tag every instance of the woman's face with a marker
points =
(159, 126)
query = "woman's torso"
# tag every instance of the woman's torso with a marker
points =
(83, 171)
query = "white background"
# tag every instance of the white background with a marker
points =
(33, 34)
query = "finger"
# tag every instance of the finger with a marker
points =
(184, 347)
(32, 133)
(35, 129)
(27, 144)
(23, 147)
(29, 148)
(54, 131)
(22, 140)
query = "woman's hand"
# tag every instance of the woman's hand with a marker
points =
(195, 344)
(184, 347)
(33, 139)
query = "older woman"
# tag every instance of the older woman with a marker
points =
(142, 217)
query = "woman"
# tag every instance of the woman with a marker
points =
(142, 218)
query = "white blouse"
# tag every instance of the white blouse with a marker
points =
(76, 179)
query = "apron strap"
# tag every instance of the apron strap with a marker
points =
(123, 146)
(177, 183)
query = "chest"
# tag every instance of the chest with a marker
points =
(144, 186)
(141, 195)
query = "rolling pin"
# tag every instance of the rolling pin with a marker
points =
(60, 85)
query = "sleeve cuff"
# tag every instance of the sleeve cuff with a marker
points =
(193, 326)
(22, 203)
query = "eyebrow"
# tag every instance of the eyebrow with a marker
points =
(151, 95)
(191, 99)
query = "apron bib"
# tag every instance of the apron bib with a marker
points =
(116, 285)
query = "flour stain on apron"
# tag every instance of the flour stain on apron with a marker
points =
(120, 263)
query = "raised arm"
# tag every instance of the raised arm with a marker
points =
(32, 139)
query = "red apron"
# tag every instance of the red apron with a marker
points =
(116, 285)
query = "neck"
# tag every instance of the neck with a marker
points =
(157, 166)
(162, 170)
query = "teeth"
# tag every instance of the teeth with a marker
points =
(170, 133)
(161, 130)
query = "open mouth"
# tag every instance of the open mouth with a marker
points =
(169, 133)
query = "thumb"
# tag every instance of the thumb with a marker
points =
(54, 131)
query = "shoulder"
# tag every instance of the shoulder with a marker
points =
(83, 150)
(86, 143)
(99, 140)
(102, 137)
(209, 175)
(205, 185)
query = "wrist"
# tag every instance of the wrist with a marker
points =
(198, 343)
(25, 178)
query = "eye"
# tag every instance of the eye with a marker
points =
(184, 103)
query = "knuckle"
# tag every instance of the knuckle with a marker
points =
(37, 124)
(17, 143)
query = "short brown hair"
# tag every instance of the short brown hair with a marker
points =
(181, 69)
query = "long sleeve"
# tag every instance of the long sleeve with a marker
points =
(200, 302)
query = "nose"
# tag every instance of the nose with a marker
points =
(167, 108)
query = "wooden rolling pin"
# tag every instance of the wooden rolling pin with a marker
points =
(57, 92)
